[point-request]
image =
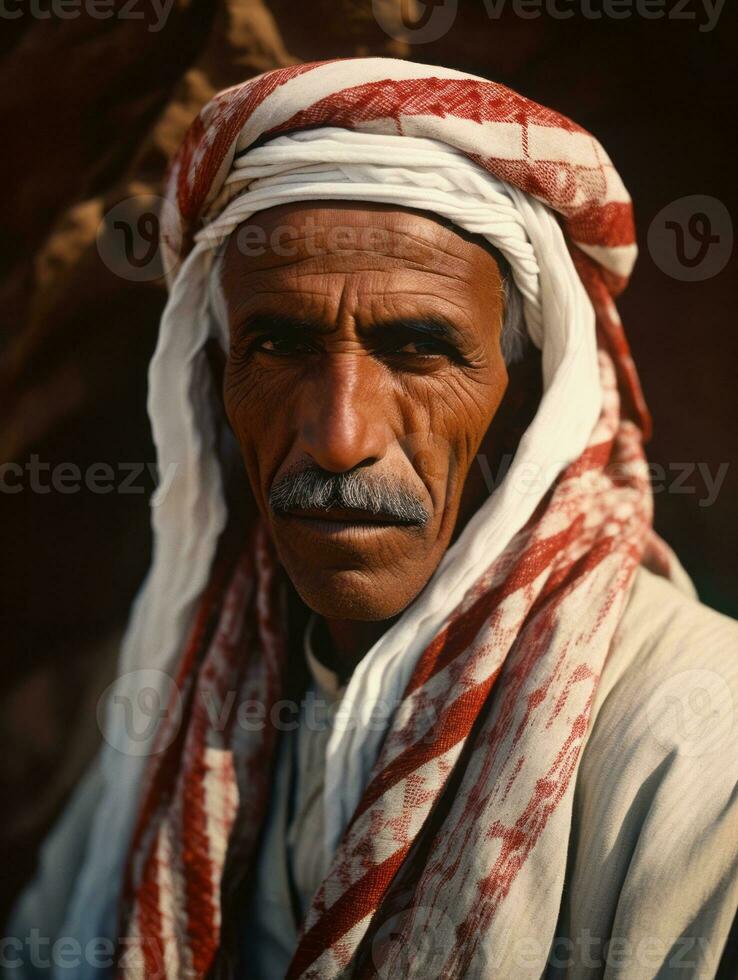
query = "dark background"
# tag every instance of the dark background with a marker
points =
(92, 111)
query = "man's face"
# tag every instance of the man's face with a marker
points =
(363, 372)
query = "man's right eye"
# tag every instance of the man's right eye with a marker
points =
(281, 346)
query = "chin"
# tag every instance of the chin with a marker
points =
(367, 574)
(354, 594)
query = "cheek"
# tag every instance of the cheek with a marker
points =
(450, 416)
(258, 407)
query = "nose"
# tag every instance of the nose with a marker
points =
(342, 423)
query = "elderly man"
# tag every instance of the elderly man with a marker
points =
(429, 697)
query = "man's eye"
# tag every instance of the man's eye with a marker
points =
(423, 348)
(281, 346)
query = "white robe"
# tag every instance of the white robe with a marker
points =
(651, 887)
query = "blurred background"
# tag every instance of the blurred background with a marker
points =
(94, 107)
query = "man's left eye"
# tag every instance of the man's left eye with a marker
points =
(422, 348)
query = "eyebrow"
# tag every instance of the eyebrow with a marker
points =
(431, 325)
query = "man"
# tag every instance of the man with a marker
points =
(429, 697)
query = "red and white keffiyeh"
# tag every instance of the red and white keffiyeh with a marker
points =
(453, 826)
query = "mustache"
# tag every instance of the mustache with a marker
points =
(312, 488)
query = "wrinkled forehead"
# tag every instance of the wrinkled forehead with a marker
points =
(346, 235)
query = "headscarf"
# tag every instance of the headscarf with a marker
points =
(454, 813)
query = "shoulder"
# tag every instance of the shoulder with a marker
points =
(669, 687)
(662, 749)
(672, 670)
(659, 614)
(654, 834)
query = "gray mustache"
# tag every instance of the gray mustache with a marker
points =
(312, 488)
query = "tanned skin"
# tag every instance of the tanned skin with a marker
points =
(350, 378)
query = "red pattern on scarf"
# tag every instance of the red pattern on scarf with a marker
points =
(521, 654)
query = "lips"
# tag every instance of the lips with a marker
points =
(352, 528)
(340, 516)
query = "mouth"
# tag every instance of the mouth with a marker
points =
(338, 521)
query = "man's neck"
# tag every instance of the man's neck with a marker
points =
(340, 644)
